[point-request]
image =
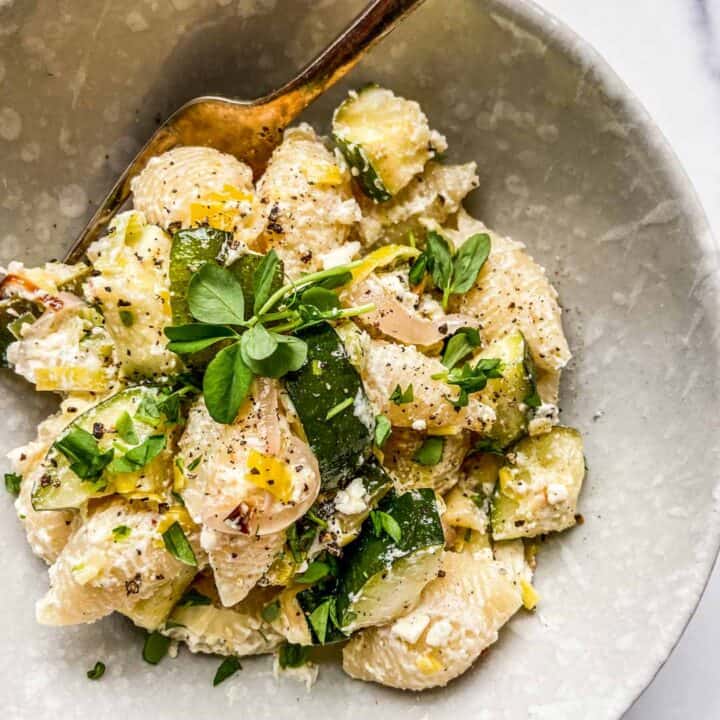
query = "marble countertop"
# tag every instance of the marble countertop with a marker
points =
(668, 53)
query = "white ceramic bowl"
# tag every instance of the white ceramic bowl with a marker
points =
(571, 165)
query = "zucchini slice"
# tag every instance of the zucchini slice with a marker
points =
(385, 139)
(326, 381)
(539, 485)
(508, 396)
(191, 249)
(381, 578)
(58, 487)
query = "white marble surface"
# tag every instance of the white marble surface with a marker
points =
(668, 52)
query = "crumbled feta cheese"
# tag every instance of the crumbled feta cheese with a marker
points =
(419, 425)
(545, 417)
(439, 633)
(411, 627)
(340, 255)
(353, 499)
(556, 493)
(363, 411)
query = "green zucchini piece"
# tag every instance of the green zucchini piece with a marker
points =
(538, 486)
(58, 487)
(328, 379)
(381, 578)
(385, 139)
(508, 395)
(191, 249)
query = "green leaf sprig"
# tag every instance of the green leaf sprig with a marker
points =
(453, 273)
(261, 345)
(471, 378)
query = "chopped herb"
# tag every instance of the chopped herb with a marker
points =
(81, 448)
(12, 483)
(121, 532)
(470, 378)
(418, 269)
(533, 398)
(311, 515)
(292, 656)
(229, 666)
(383, 430)
(480, 501)
(178, 546)
(194, 463)
(139, 456)
(155, 647)
(126, 429)
(459, 346)
(319, 618)
(430, 452)
(468, 262)
(382, 522)
(339, 408)
(97, 671)
(402, 397)
(193, 598)
(271, 612)
(178, 498)
(127, 318)
(486, 445)
(315, 572)
(453, 273)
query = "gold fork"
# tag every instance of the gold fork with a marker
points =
(250, 130)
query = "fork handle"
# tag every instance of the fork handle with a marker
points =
(374, 22)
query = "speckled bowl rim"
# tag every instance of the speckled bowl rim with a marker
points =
(554, 32)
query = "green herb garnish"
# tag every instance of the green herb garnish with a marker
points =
(383, 522)
(229, 666)
(487, 445)
(81, 448)
(292, 656)
(383, 430)
(339, 408)
(453, 273)
(430, 452)
(127, 318)
(121, 532)
(216, 296)
(97, 671)
(471, 378)
(178, 546)
(194, 463)
(126, 429)
(138, 457)
(319, 618)
(402, 397)
(155, 647)
(261, 345)
(459, 346)
(12, 483)
(315, 572)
